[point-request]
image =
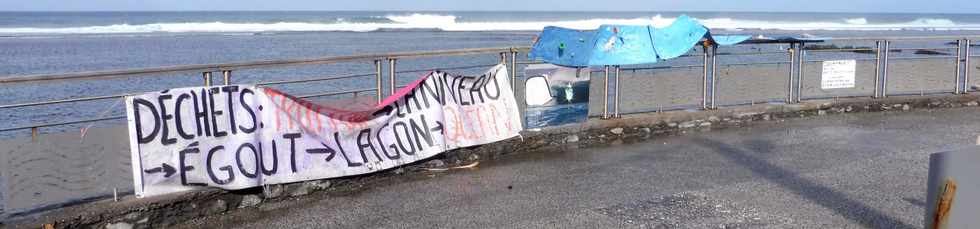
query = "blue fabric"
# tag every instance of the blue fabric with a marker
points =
(678, 38)
(622, 45)
(563, 46)
(729, 39)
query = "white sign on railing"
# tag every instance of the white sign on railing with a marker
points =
(238, 136)
(838, 74)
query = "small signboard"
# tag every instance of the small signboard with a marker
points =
(838, 74)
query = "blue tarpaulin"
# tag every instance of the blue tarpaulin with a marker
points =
(622, 44)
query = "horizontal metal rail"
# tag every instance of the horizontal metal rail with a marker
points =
(920, 92)
(858, 59)
(449, 68)
(917, 49)
(839, 96)
(902, 38)
(751, 53)
(123, 117)
(843, 50)
(247, 65)
(530, 62)
(758, 63)
(658, 67)
(336, 93)
(690, 55)
(921, 58)
(72, 100)
(63, 123)
(315, 79)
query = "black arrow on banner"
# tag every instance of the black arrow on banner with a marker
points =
(439, 128)
(325, 150)
(165, 168)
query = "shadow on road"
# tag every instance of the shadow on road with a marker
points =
(824, 196)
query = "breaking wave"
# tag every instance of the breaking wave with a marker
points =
(450, 23)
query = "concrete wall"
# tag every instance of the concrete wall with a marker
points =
(63, 167)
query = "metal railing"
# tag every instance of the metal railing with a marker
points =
(796, 54)
(207, 71)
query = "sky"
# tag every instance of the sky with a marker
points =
(901, 6)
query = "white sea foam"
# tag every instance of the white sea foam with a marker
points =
(450, 23)
(856, 21)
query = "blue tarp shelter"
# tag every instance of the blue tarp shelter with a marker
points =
(623, 44)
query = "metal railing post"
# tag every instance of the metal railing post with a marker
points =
(884, 70)
(513, 70)
(605, 93)
(714, 73)
(391, 75)
(207, 79)
(616, 96)
(704, 78)
(227, 76)
(966, 66)
(800, 72)
(877, 81)
(959, 60)
(379, 75)
(792, 70)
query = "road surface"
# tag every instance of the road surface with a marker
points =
(837, 171)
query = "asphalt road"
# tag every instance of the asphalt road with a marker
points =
(838, 171)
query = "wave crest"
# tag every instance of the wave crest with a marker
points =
(449, 23)
(856, 21)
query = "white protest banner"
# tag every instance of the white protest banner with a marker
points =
(838, 74)
(242, 136)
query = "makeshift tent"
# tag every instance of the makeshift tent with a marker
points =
(622, 44)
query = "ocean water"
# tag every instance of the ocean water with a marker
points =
(60, 42)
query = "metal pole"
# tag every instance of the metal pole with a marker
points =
(959, 60)
(884, 70)
(616, 100)
(605, 93)
(704, 79)
(378, 79)
(799, 81)
(227, 76)
(207, 79)
(714, 68)
(513, 70)
(792, 68)
(391, 75)
(966, 66)
(877, 69)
